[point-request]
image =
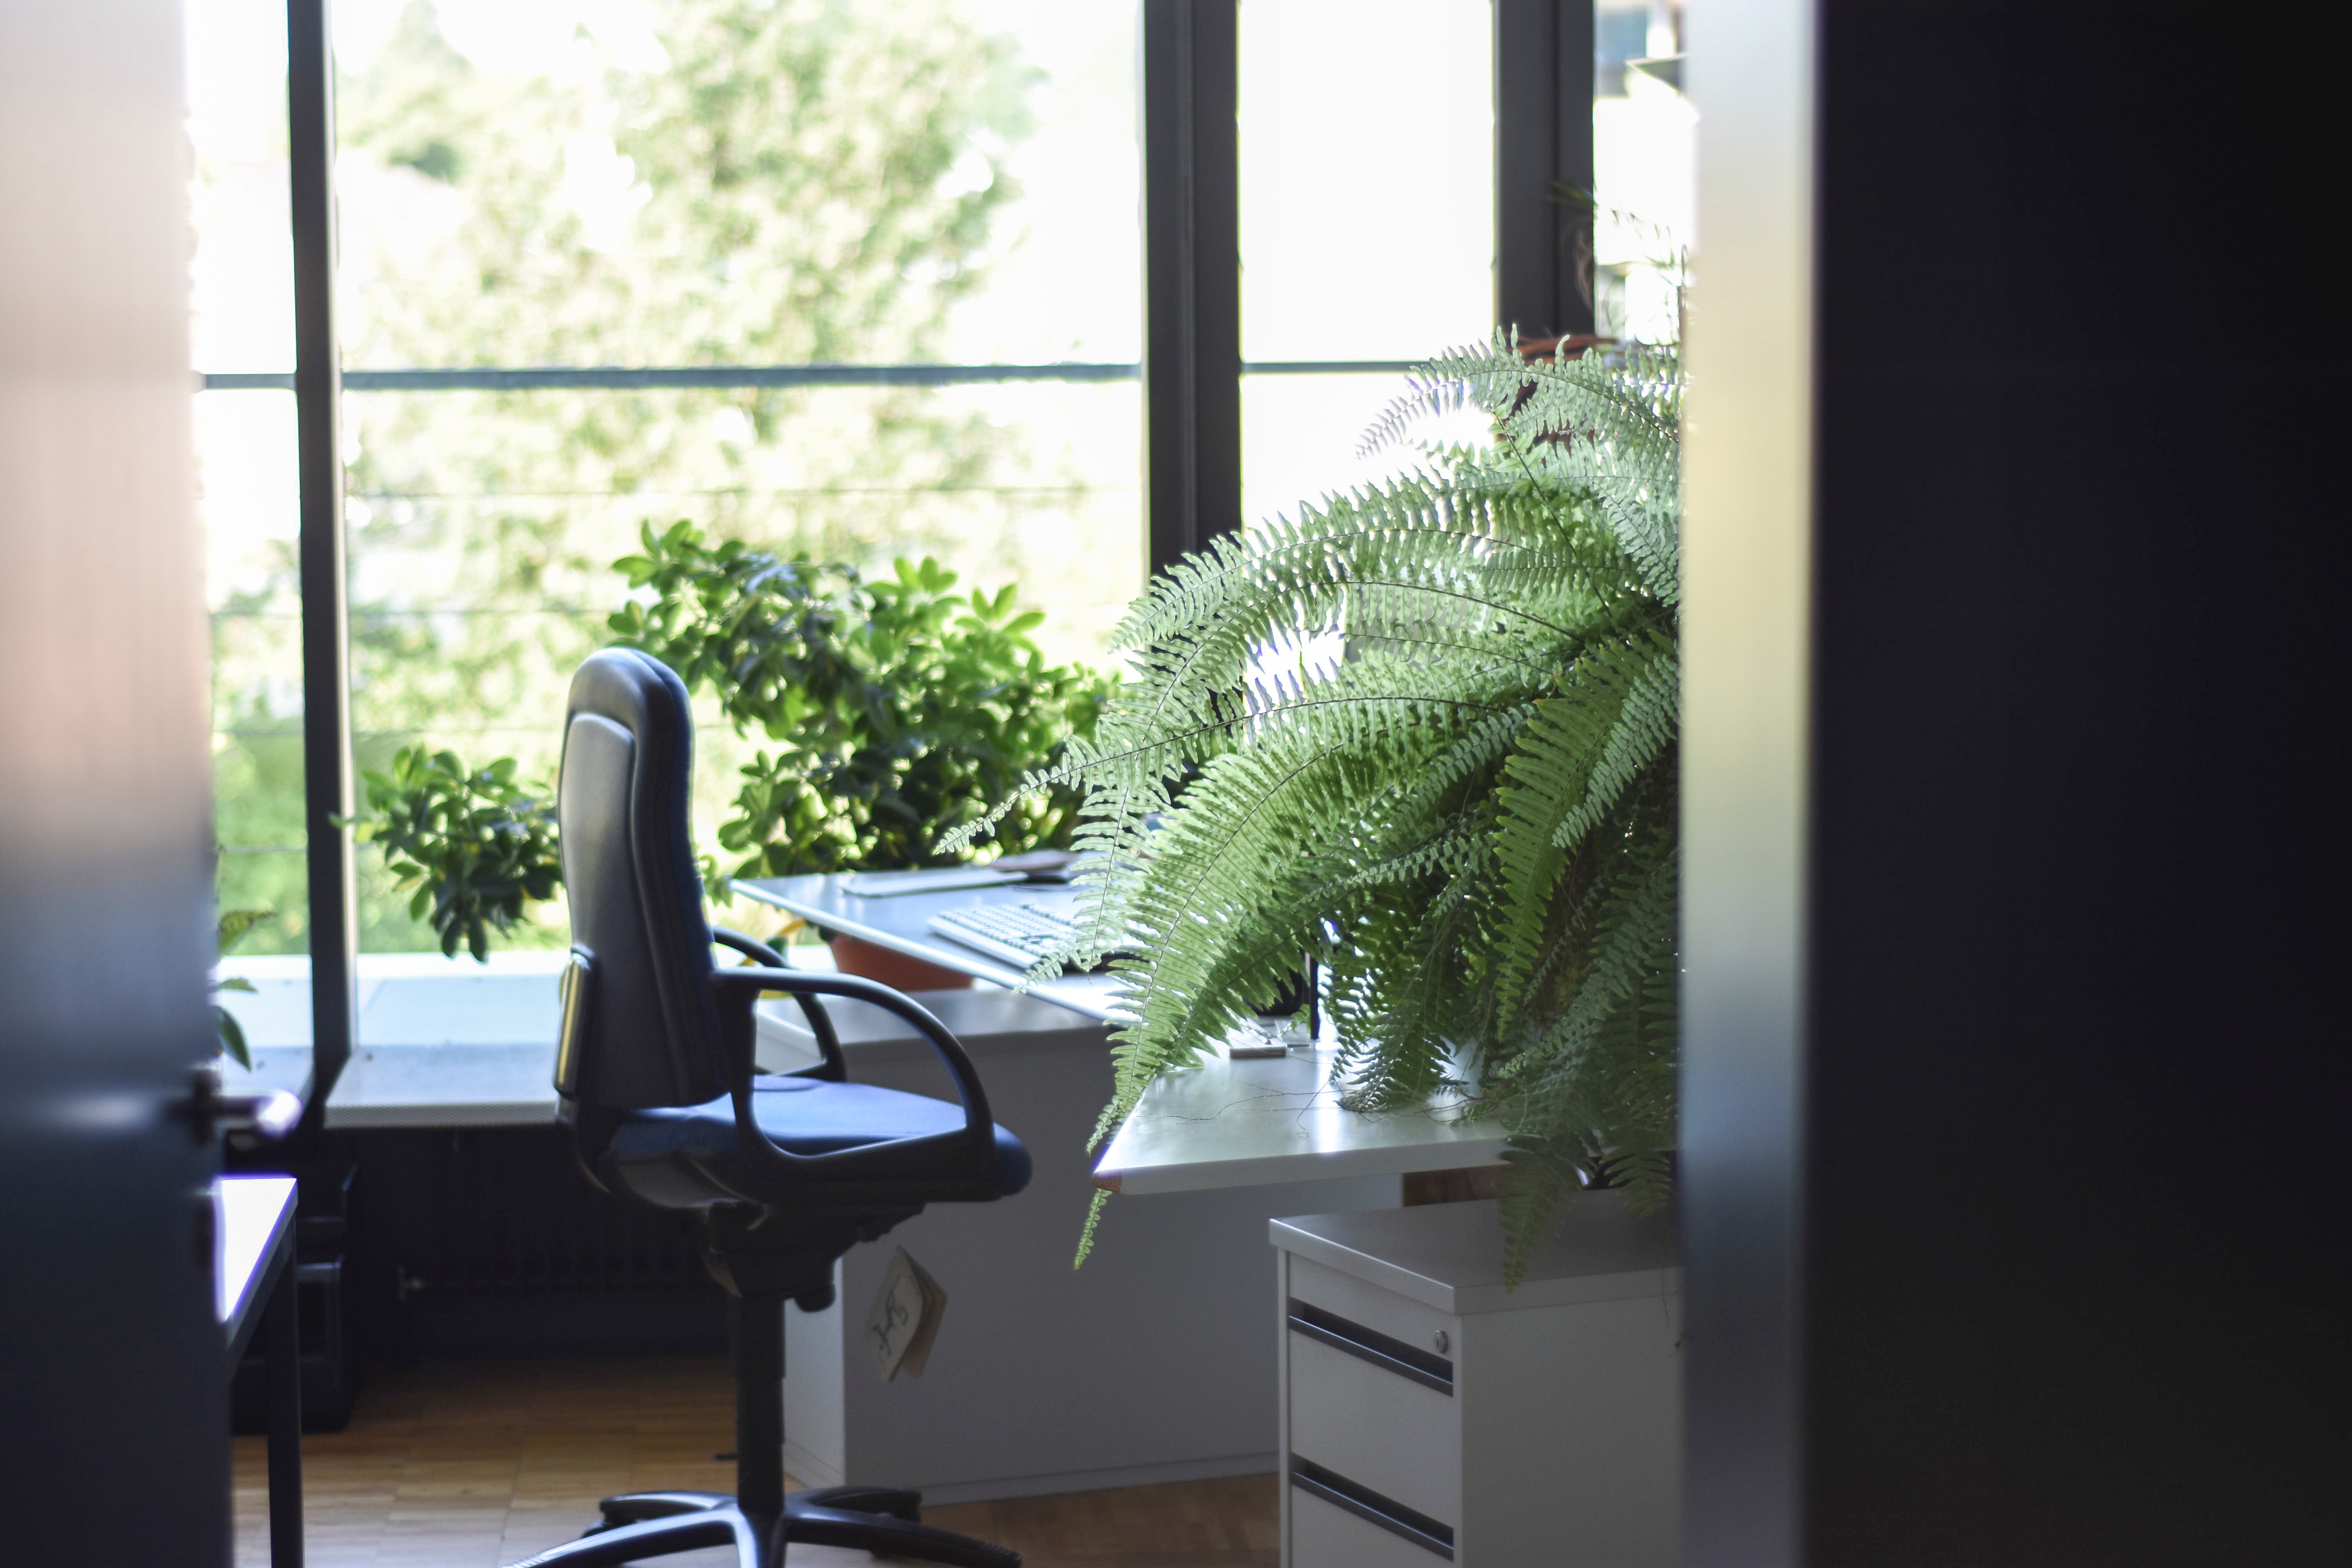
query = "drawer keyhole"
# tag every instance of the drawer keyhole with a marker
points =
(1439, 1342)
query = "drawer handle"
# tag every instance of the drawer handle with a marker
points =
(1370, 1344)
(1365, 1503)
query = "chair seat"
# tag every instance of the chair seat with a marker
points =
(689, 1156)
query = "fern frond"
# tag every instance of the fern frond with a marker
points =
(1577, 753)
(1424, 729)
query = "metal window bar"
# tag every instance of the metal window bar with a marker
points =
(326, 672)
(1191, 277)
(621, 378)
(1543, 166)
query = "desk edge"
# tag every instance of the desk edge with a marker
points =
(1269, 1170)
(237, 1329)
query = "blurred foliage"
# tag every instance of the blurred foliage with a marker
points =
(233, 926)
(473, 844)
(257, 816)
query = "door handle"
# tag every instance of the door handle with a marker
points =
(212, 1115)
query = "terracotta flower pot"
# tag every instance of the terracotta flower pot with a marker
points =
(893, 969)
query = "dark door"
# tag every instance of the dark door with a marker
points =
(114, 1426)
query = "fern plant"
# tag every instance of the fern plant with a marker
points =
(1425, 733)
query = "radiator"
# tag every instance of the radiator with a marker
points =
(507, 1210)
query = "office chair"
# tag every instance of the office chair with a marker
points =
(786, 1171)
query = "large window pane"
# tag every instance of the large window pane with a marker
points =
(472, 600)
(1366, 220)
(1308, 432)
(242, 320)
(736, 182)
(716, 182)
(1061, 276)
(1367, 192)
(242, 272)
(245, 454)
(1644, 168)
(1300, 435)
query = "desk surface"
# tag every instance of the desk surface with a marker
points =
(1226, 1123)
(450, 1045)
(898, 924)
(275, 1067)
(441, 1042)
(491, 1084)
(255, 1215)
(457, 1085)
(1229, 1123)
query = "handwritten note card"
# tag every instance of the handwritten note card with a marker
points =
(905, 1318)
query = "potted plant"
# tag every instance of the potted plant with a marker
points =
(1426, 732)
(475, 844)
(894, 711)
(230, 931)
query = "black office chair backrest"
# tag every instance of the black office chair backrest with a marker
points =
(639, 1026)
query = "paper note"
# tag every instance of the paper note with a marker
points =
(905, 1318)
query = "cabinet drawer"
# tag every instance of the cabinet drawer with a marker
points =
(1329, 1530)
(1400, 1437)
(1396, 1316)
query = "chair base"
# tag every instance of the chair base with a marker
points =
(762, 1263)
(884, 1520)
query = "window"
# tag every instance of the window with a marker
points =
(1367, 222)
(880, 258)
(852, 277)
(241, 282)
(1643, 165)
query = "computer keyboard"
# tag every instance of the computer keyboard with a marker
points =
(1018, 934)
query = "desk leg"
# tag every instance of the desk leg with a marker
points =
(283, 1358)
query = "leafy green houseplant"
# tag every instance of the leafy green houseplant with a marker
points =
(899, 711)
(474, 843)
(233, 924)
(1425, 733)
(897, 708)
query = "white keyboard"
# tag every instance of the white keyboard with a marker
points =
(1020, 934)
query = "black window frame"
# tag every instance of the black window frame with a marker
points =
(1192, 367)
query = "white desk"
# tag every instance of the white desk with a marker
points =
(1230, 1123)
(452, 1043)
(252, 1280)
(898, 924)
(479, 1050)
(253, 1217)
(441, 1042)
(276, 1068)
(1224, 1124)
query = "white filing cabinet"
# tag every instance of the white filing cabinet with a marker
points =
(1428, 1415)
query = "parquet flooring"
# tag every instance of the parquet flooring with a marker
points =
(470, 1465)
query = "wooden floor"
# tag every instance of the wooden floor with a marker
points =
(469, 1465)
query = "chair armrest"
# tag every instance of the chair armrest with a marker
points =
(835, 1066)
(978, 1130)
(748, 946)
